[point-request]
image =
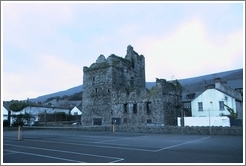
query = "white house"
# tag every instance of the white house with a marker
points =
(75, 111)
(36, 111)
(211, 102)
(208, 106)
(44, 113)
(4, 113)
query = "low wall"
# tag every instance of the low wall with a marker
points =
(205, 121)
(203, 130)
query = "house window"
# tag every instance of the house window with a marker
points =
(221, 104)
(125, 120)
(200, 107)
(134, 108)
(96, 90)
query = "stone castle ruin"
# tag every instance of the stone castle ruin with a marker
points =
(115, 93)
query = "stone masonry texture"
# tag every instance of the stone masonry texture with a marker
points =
(115, 93)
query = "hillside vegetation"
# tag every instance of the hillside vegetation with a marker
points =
(234, 78)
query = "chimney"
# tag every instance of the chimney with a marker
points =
(209, 86)
(216, 80)
(224, 82)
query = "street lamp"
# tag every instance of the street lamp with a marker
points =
(182, 117)
(209, 120)
(209, 117)
(55, 116)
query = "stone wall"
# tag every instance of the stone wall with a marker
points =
(171, 129)
(237, 131)
(182, 130)
(115, 92)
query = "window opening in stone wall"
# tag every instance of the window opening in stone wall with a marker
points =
(125, 120)
(133, 66)
(148, 107)
(125, 108)
(200, 107)
(97, 121)
(108, 90)
(149, 121)
(96, 90)
(134, 108)
(221, 105)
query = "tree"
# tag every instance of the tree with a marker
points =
(19, 119)
(232, 115)
(16, 105)
(5, 123)
(75, 96)
(52, 98)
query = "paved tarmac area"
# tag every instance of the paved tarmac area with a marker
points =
(67, 146)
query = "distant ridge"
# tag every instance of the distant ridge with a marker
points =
(69, 91)
(234, 78)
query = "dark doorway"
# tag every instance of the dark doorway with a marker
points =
(97, 121)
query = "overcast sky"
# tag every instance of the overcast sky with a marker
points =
(46, 45)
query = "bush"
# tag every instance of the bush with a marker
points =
(6, 123)
(18, 123)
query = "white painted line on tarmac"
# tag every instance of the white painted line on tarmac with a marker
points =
(37, 133)
(120, 139)
(63, 151)
(114, 144)
(188, 142)
(40, 155)
(116, 161)
(96, 145)
(10, 152)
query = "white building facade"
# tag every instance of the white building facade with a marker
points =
(211, 103)
(75, 111)
(208, 108)
(4, 114)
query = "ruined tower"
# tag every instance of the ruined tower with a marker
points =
(105, 77)
(115, 92)
(136, 71)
